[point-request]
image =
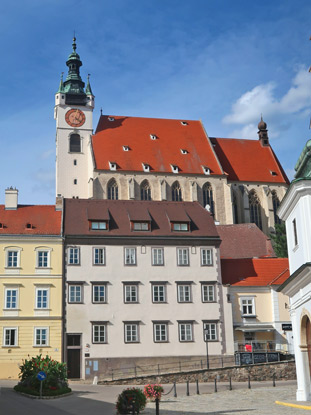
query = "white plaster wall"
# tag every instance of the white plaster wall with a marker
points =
(66, 171)
(115, 311)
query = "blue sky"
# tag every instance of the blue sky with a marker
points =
(224, 62)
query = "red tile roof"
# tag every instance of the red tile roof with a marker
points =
(244, 241)
(42, 220)
(76, 221)
(159, 154)
(257, 272)
(248, 161)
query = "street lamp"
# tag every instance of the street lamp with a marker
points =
(206, 335)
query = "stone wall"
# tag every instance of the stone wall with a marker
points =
(264, 371)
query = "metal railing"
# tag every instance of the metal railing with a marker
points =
(260, 346)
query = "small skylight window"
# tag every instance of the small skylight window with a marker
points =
(183, 122)
(112, 166)
(153, 137)
(126, 148)
(110, 119)
(1, 225)
(273, 173)
(29, 226)
(146, 167)
(206, 170)
(183, 151)
(174, 168)
(140, 226)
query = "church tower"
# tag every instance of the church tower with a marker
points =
(74, 105)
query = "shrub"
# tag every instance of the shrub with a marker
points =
(47, 392)
(153, 391)
(56, 374)
(129, 399)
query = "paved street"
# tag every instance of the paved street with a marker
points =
(100, 400)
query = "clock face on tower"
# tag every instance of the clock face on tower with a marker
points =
(75, 117)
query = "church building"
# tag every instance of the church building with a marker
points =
(132, 158)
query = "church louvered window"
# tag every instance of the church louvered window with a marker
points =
(113, 190)
(208, 197)
(255, 209)
(176, 192)
(145, 191)
(75, 143)
(276, 204)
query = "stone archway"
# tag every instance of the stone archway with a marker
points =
(306, 337)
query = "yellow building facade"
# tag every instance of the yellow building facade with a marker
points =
(30, 285)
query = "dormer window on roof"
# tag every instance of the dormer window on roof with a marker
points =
(146, 167)
(273, 173)
(183, 123)
(206, 170)
(29, 226)
(174, 168)
(183, 151)
(110, 119)
(1, 225)
(99, 225)
(153, 137)
(126, 148)
(112, 166)
(141, 226)
(181, 226)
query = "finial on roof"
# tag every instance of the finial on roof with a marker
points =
(88, 89)
(61, 84)
(262, 125)
(101, 111)
(263, 132)
(74, 45)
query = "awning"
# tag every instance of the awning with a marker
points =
(255, 328)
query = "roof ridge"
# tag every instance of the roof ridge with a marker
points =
(276, 278)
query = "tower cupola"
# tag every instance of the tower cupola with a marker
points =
(263, 133)
(73, 86)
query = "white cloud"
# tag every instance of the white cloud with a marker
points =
(47, 154)
(262, 99)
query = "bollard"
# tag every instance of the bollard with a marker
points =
(197, 383)
(249, 382)
(111, 374)
(230, 384)
(274, 380)
(175, 391)
(187, 384)
(222, 362)
(215, 388)
(157, 406)
(158, 369)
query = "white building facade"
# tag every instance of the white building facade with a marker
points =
(142, 283)
(295, 211)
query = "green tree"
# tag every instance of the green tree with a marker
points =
(279, 241)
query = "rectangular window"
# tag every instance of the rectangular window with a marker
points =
(131, 293)
(210, 331)
(185, 332)
(99, 256)
(181, 227)
(295, 232)
(12, 259)
(182, 256)
(43, 259)
(10, 336)
(157, 256)
(73, 256)
(41, 336)
(130, 256)
(184, 293)
(206, 257)
(42, 298)
(11, 298)
(98, 226)
(248, 306)
(99, 293)
(158, 293)
(160, 332)
(99, 333)
(75, 293)
(131, 333)
(140, 226)
(208, 293)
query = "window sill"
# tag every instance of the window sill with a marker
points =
(41, 347)
(75, 302)
(136, 342)
(10, 347)
(42, 309)
(73, 265)
(99, 265)
(249, 315)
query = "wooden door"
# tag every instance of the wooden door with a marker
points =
(308, 335)
(73, 363)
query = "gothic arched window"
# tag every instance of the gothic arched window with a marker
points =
(75, 143)
(208, 197)
(235, 207)
(176, 192)
(276, 204)
(145, 190)
(254, 209)
(112, 190)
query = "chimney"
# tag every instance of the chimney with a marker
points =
(11, 198)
